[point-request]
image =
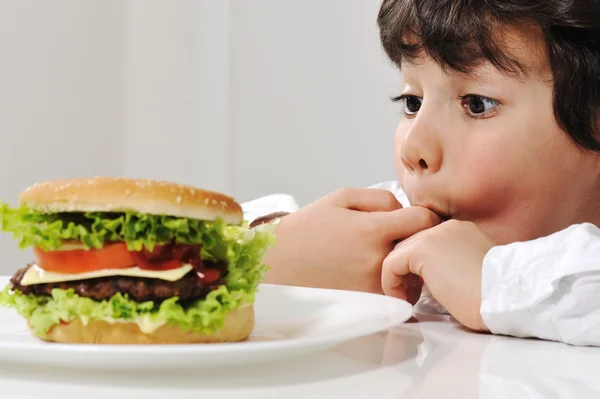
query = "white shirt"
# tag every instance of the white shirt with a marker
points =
(548, 288)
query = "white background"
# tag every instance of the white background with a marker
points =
(248, 97)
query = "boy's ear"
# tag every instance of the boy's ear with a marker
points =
(597, 153)
(598, 130)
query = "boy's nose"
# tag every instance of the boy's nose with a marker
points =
(421, 151)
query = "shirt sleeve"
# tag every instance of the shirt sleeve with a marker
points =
(394, 187)
(547, 288)
(267, 205)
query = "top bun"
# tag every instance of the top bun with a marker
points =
(106, 194)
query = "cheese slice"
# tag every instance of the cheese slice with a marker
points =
(36, 275)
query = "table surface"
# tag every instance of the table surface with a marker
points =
(432, 357)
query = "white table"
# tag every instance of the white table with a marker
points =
(432, 358)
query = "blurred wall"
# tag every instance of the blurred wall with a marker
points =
(310, 89)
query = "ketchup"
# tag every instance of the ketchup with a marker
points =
(172, 256)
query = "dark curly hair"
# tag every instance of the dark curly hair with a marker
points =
(459, 34)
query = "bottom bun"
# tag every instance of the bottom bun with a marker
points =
(238, 326)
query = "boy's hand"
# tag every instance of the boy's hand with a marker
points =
(448, 257)
(341, 240)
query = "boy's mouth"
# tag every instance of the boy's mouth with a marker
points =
(445, 216)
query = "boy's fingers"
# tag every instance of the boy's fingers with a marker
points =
(395, 268)
(401, 274)
(403, 223)
(365, 199)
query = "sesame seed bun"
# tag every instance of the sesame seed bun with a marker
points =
(107, 194)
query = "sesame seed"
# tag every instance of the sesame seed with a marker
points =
(207, 201)
(179, 199)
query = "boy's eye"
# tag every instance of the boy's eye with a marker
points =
(412, 104)
(479, 106)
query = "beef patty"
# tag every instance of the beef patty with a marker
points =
(188, 288)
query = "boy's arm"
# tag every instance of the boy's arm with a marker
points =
(547, 288)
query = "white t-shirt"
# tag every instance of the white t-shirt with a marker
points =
(548, 288)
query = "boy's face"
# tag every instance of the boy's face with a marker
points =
(496, 156)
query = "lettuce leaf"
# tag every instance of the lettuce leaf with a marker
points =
(93, 229)
(203, 316)
(242, 248)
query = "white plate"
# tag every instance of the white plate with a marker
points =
(290, 321)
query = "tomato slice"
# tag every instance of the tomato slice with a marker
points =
(111, 256)
(143, 263)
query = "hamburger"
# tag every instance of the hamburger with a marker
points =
(131, 261)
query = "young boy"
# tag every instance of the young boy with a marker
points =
(498, 154)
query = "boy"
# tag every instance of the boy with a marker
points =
(500, 142)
